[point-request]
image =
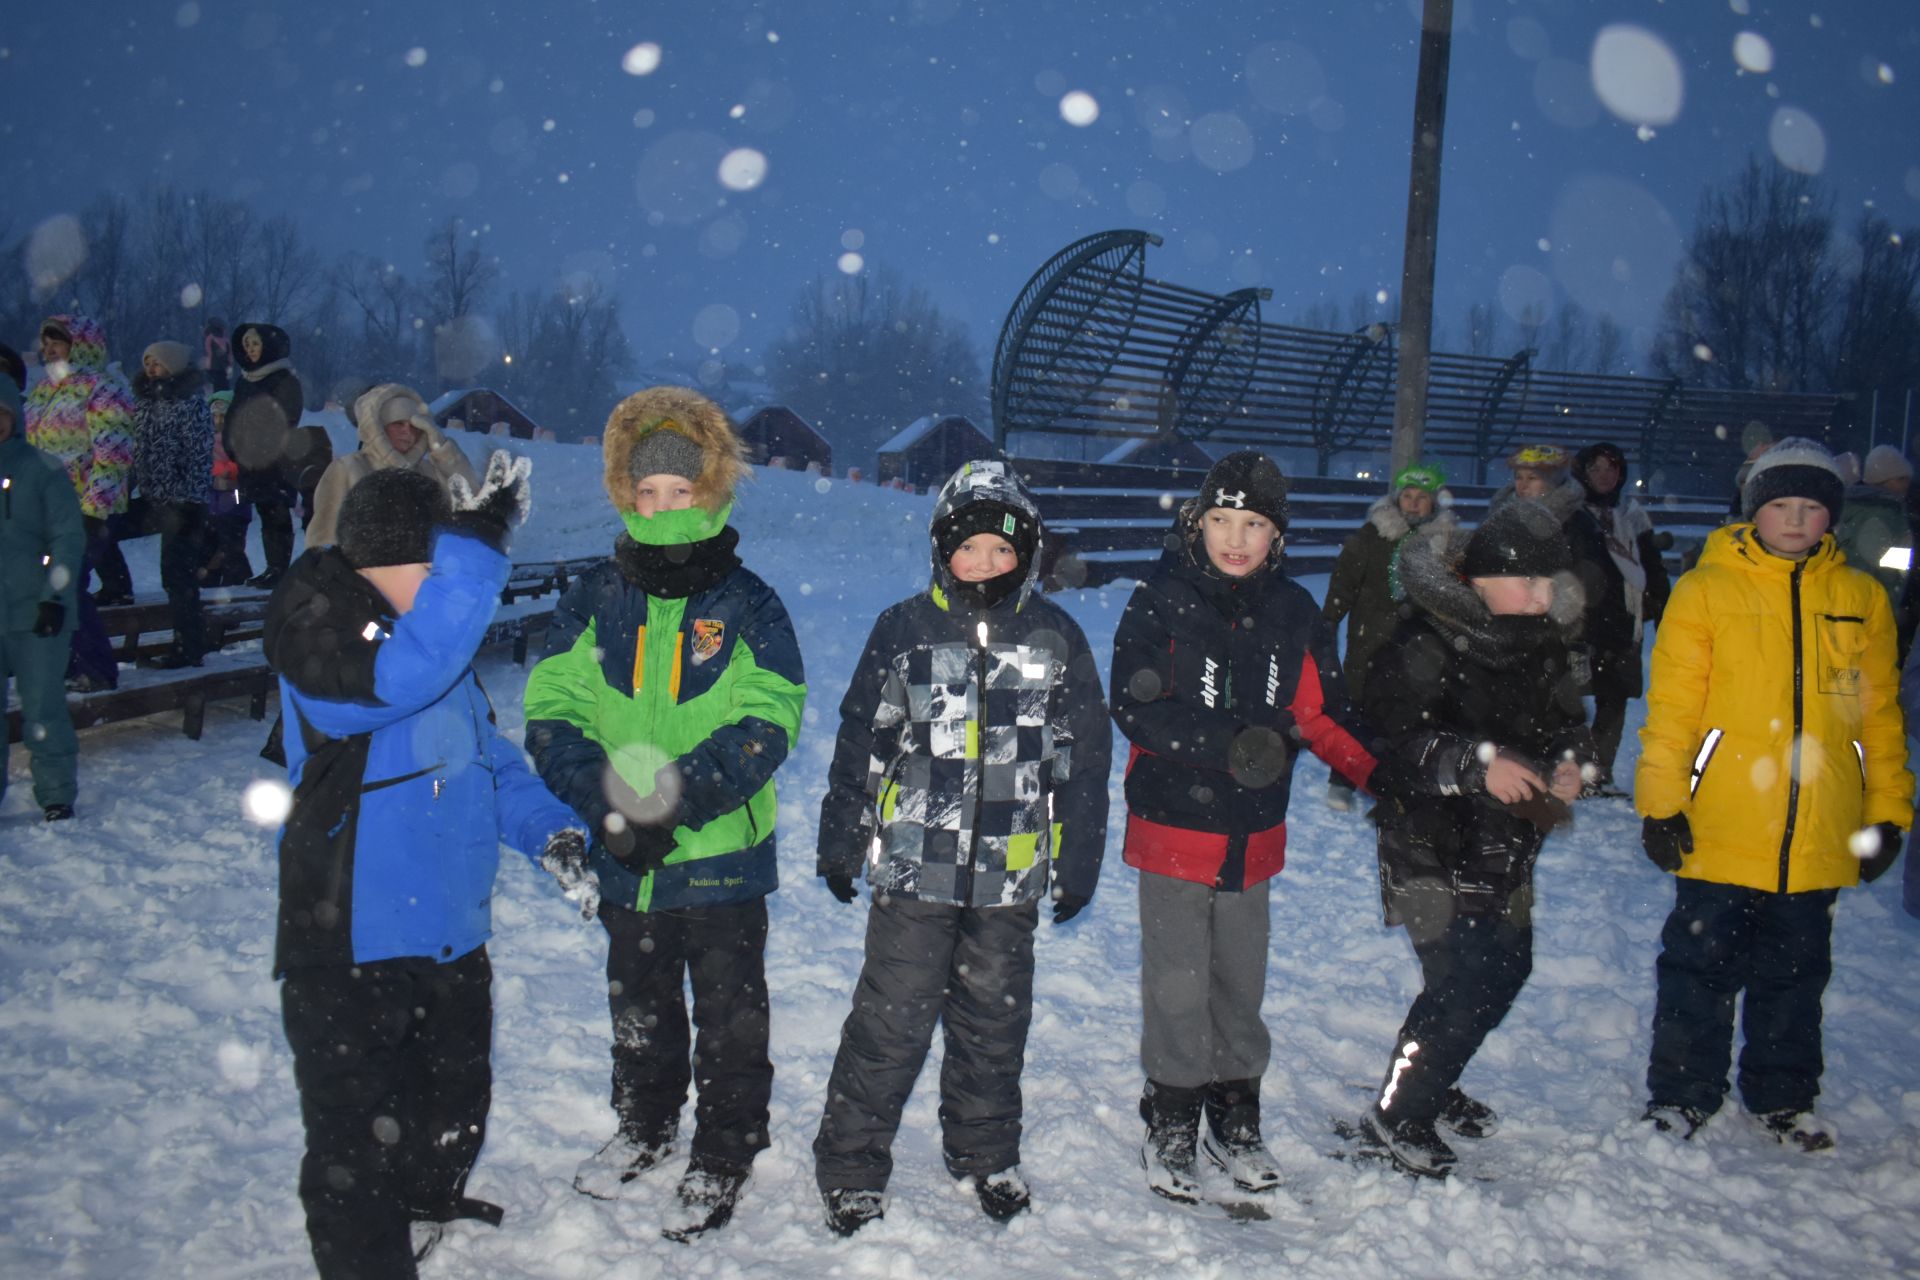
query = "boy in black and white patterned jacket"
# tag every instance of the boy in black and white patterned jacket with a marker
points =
(970, 781)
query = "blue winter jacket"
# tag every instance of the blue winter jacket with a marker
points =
(403, 786)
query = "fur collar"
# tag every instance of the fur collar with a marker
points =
(1562, 500)
(1430, 575)
(270, 367)
(1392, 524)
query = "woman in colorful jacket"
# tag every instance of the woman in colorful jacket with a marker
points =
(670, 693)
(1772, 775)
(1361, 589)
(1221, 664)
(81, 412)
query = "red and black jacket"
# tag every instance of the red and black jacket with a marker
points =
(1217, 683)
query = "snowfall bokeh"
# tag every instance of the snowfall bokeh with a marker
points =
(152, 1127)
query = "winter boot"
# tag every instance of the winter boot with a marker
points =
(1466, 1117)
(1792, 1127)
(1173, 1122)
(1231, 1139)
(851, 1208)
(608, 1172)
(57, 812)
(1004, 1195)
(708, 1193)
(1667, 1117)
(1411, 1141)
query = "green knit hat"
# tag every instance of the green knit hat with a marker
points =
(1420, 475)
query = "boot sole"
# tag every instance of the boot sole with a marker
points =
(1170, 1193)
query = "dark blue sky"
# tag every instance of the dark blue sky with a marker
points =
(1267, 142)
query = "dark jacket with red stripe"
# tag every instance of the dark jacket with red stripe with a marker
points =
(1216, 683)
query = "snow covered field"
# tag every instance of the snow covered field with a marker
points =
(149, 1125)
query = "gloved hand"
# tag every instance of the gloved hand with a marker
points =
(565, 859)
(1392, 780)
(840, 886)
(502, 504)
(1876, 864)
(638, 848)
(1068, 905)
(51, 617)
(1666, 840)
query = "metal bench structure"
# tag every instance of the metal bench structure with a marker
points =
(143, 628)
(1095, 347)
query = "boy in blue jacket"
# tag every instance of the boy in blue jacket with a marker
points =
(403, 792)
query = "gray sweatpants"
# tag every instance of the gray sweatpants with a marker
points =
(1203, 971)
(969, 968)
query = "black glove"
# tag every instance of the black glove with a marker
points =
(1392, 780)
(51, 617)
(1068, 905)
(565, 858)
(1666, 840)
(840, 886)
(639, 849)
(1873, 868)
(504, 499)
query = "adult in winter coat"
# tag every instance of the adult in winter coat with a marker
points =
(969, 781)
(1221, 664)
(259, 435)
(1639, 577)
(173, 471)
(1482, 661)
(41, 546)
(395, 431)
(404, 791)
(670, 693)
(81, 412)
(1874, 532)
(1361, 589)
(1772, 775)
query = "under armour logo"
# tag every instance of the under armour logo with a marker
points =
(1236, 499)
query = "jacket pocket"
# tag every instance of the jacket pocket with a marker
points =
(1840, 641)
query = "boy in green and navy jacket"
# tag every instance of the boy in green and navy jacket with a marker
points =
(671, 691)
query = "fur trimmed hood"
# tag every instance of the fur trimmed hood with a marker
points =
(1430, 575)
(373, 434)
(693, 416)
(1392, 524)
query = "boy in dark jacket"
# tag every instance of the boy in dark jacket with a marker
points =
(970, 771)
(1477, 702)
(671, 692)
(403, 793)
(42, 544)
(1221, 664)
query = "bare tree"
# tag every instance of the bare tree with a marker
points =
(459, 273)
(568, 348)
(286, 271)
(1564, 343)
(1482, 329)
(1877, 335)
(384, 301)
(1609, 346)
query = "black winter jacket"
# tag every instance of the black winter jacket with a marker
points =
(1453, 679)
(1361, 588)
(266, 408)
(172, 438)
(1606, 625)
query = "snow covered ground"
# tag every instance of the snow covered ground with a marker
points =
(149, 1125)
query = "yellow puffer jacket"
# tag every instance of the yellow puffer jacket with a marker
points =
(1771, 718)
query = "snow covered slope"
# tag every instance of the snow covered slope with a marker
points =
(149, 1125)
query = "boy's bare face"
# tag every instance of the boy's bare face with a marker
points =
(1792, 526)
(1237, 542)
(983, 556)
(664, 492)
(1508, 597)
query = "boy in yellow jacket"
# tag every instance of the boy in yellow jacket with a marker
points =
(1772, 775)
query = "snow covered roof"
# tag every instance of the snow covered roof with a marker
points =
(917, 430)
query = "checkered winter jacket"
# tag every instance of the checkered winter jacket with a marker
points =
(974, 744)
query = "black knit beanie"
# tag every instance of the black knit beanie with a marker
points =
(984, 515)
(389, 518)
(1520, 540)
(1795, 468)
(1247, 481)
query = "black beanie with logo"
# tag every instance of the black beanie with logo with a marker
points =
(1247, 481)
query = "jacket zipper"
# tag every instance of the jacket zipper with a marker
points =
(965, 887)
(1793, 758)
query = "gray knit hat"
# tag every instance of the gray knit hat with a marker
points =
(1795, 468)
(665, 452)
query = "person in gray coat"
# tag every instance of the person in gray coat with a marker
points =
(42, 542)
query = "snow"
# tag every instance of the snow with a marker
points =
(152, 1128)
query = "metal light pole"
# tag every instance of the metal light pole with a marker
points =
(1423, 228)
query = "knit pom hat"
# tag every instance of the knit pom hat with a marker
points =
(1246, 481)
(984, 515)
(1795, 468)
(389, 518)
(1884, 463)
(1520, 540)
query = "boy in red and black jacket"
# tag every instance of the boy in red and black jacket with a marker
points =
(1222, 666)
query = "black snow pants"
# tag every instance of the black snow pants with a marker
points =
(970, 968)
(1474, 970)
(652, 957)
(1719, 940)
(391, 1059)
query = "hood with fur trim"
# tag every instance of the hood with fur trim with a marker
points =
(275, 348)
(373, 435)
(1391, 523)
(693, 416)
(1429, 572)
